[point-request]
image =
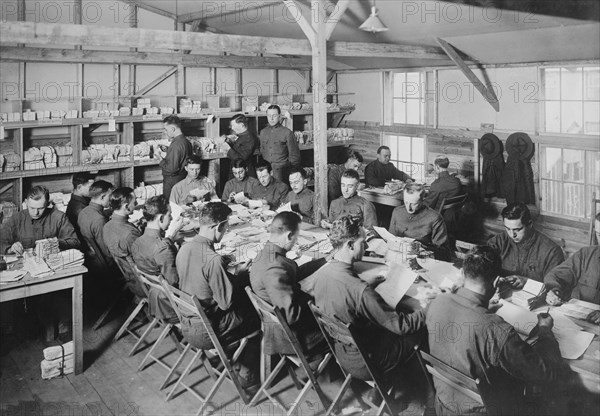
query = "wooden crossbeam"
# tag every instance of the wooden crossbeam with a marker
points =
(157, 81)
(150, 8)
(44, 34)
(487, 92)
(335, 17)
(304, 24)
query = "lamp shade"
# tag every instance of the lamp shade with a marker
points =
(373, 23)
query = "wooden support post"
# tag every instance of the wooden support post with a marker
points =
(487, 92)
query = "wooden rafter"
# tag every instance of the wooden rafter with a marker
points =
(44, 34)
(487, 92)
(150, 8)
(304, 24)
(335, 17)
(14, 54)
(157, 81)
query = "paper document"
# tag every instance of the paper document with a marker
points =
(436, 271)
(314, 235)
(397, 282)
(240, 198)
(369, 271)
(285, 208)
(9, 276)
(255, 203)
(533, 286)
(176, 210)
(578, 309)
(572, 344)
(378, 246)
(383, 233)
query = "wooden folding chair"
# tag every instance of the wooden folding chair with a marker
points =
(141, 301)
(437, 369)
(336, 331)
(168, 328)
(186, 305)
(270, 315)
(594, 211)
(452, 202)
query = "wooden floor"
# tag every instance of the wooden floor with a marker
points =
(111, 384)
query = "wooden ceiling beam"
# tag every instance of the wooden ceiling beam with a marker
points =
(304, 24)
(335, 16)
(150, 8)
(43, 34)
(14, 54)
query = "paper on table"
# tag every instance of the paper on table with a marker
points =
(383, 233)
(520, 318)
(255, 203)
(258, 223)
(176, 210)
(397, 282)
(9, 276)
(378, 245)
(237, 207)
(369, 271)
(436, 271)
(285, 208)
(578, 308)
(573, 343)
(240, 198)
(314, 235)
(533, 286)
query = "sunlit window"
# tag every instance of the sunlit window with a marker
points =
(408, 154)
(408, 98)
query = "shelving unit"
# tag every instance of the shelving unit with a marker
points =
(81, 132)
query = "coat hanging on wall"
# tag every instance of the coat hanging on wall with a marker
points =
(491, 149)
(517, 178)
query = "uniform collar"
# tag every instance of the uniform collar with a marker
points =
(272, 247)
(472, 297)
(97, 207)
(153, 232)
(203, 240)
(120, 218)
(44, 214)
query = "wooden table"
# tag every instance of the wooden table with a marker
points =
(71, 278)
(377, 196)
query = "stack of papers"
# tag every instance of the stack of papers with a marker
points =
(9, 276)
(285, 208)
(36, 269)
(65, 259)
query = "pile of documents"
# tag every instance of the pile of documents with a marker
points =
(65, 259)
(58, 360)
(46, 247)
(9, 276)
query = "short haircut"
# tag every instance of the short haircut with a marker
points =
(155, 206)
(382, 148)
(81, 178)
(413, 188)
(343, 229)
(240, 119)
(264, 165)
(120, 197)
(100, 187)
(284, 222)
(301, 171)
(350, 173)
(239, 163)
(38, 192)
(193, 160)
(214, 213)
(517, 210)
(172, 119)
(274, 107)
(442, 162)
(482, 264)
(353, 154)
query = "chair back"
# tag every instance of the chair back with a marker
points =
(593, 212)
(181, 302)
(451, 202)
(437, 369)
(462, 248)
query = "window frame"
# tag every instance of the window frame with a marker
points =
(422, 98)
(398, 163)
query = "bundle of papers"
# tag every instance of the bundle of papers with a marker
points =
(36, 268)
(287, 207)
(9, 276)
(57, 361)
(240, 198)
(46, 247)
(65, 259)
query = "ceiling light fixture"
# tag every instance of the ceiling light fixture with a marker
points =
(373, 23)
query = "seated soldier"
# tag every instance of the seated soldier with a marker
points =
(119, 235)
(525, 252)
(301, 198)
(91, 224)
(80, 198)
(351, 204)
(37, 222)
(354, 161)
(193, 187)
(418, 221)
(241, 182)
(274, 278)
(445, 186)
(270, 191)
(203, 272)
(339, 292)
(578, 277)
(155, 253)
(381, 170)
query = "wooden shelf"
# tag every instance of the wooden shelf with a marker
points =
(63, 170)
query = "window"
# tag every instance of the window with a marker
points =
(408, 154)
(408, 99)
(571, 100)
(568, 178)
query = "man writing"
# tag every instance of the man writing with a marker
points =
(301, 198)
(245, 145)
(270, 191)
(173, 165)
(380, 171)
(37, 222)
(241, 182)
(278, 145)
(193, 187)
(351, 204)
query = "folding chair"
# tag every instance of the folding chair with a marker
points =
(270, 315)
(168, 328)
(452, 202)
(141, 301)
(593, 212)
(336, 331)
(186, 305)
(434, 368)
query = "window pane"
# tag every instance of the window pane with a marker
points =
(593, 169)
(589, 197)
(418, 172)
(404, 148)
(552, 84)
(418, 150)
(392, 143)
(591, 78)
(571, 117)
(574, 201)
(571, 87)
(553, 116)
(552, 163)
(573, 165)
(398, 82)
(422, 111)
(551, 196)
(591, 117)
(399, 111)
(412, 111)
